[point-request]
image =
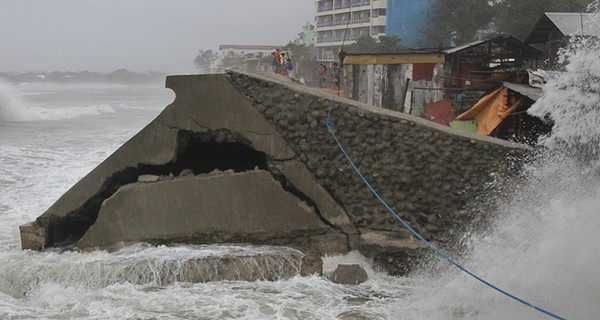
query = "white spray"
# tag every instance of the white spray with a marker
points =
(543, 245)
(12, 107)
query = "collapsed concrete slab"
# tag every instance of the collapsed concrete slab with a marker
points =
(280, 177)
(203, 209)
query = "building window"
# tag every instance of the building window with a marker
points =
(377, 30)
(358, 3)
(325, 6)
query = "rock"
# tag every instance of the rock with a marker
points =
(349, 274)
(148, 178)
(186, 172)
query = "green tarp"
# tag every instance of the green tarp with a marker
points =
(464, 125)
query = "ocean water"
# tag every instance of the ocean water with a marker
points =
(542, 244)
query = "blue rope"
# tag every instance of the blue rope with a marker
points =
(420, 237)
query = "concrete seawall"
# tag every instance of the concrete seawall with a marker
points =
(246, 158)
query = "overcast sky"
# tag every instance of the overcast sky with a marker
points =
(140, 35)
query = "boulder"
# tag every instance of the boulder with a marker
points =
(349, 274)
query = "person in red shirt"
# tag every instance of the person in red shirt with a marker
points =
(277, 61)
(322, 75)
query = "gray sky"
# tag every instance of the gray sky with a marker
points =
(140, 35)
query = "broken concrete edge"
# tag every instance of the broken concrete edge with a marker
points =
(218, 92)
(335, 214)
(66, 207)
(119, 168)
(203, 190)
(33, 236)
(313, 241)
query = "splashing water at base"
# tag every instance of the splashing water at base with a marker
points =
(543, 244)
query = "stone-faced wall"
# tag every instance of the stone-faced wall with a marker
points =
(275, 128)
(425, 171)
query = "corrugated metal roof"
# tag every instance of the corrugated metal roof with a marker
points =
(533, 93)
(572, 23)
(464, 46)
(568, 23)
(507, 42)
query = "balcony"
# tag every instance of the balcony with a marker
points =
(342, 5)
(341, 38)
(360, 20)
(326, 57)
(359, 3)
(326, 7)
(343, 22)
(325, 24)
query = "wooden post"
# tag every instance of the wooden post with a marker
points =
(404, 96)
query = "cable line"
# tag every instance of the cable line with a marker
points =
(419, 236)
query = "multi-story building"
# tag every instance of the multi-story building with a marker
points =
(340, 22)
(307, 36)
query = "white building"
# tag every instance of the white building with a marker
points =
(340, 22)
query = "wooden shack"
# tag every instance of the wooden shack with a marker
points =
(402, 81)
(408, 81)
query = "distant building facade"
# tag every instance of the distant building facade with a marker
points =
(340, 22)
(307, 36)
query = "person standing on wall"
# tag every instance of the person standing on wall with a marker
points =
(277, 61)
(335, 76)
(322, 75)
(290, 68)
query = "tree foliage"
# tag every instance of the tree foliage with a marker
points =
(230, 60)
(368, 44)
(363, 44)
(204, 59)
(518, 17)
(463, 18)
(458, 18)
(300, 51)
(390, 44)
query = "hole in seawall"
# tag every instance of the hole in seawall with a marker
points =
(201, 153)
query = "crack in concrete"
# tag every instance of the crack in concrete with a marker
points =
(289, 187)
